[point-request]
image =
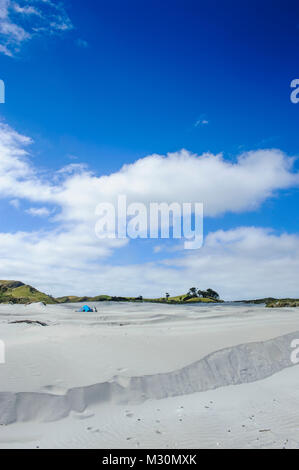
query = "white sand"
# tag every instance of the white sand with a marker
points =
(149, 375)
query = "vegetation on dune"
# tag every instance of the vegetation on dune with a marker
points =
(71, 299)
(277, 303)
(257, 301)
(97, 298)
(271, 302)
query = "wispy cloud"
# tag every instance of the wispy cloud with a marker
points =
(38, 211)
(72, 168)
(21, 21)
(201, 122)
(25, 10)
(81, 43)
(15, 203)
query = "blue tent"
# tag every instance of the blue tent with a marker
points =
(85, 308)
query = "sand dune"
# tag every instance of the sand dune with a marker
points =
(101, 376)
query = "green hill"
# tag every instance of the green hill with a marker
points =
(18, 292)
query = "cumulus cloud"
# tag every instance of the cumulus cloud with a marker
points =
(22, 20)
(245, 262)
(220, 184)
(68, 258)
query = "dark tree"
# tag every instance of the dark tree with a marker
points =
(193, 292)
(167, 296)
(212, 293)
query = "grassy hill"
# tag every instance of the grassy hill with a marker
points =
(18, 292)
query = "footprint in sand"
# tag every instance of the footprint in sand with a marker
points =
(83, 415)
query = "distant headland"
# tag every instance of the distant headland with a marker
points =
(16, 292)
(19, 293)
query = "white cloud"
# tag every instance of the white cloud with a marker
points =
(246, 262)
(72, 168)
(20, 21)
(15, 203)
(223, 186)
(70, 259)
(38, 211)
(25, 10)
(201, 122)
(4, 50)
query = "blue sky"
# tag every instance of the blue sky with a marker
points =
(108, 83)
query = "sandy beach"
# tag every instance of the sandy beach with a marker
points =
(149, 238)
(137, 375)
